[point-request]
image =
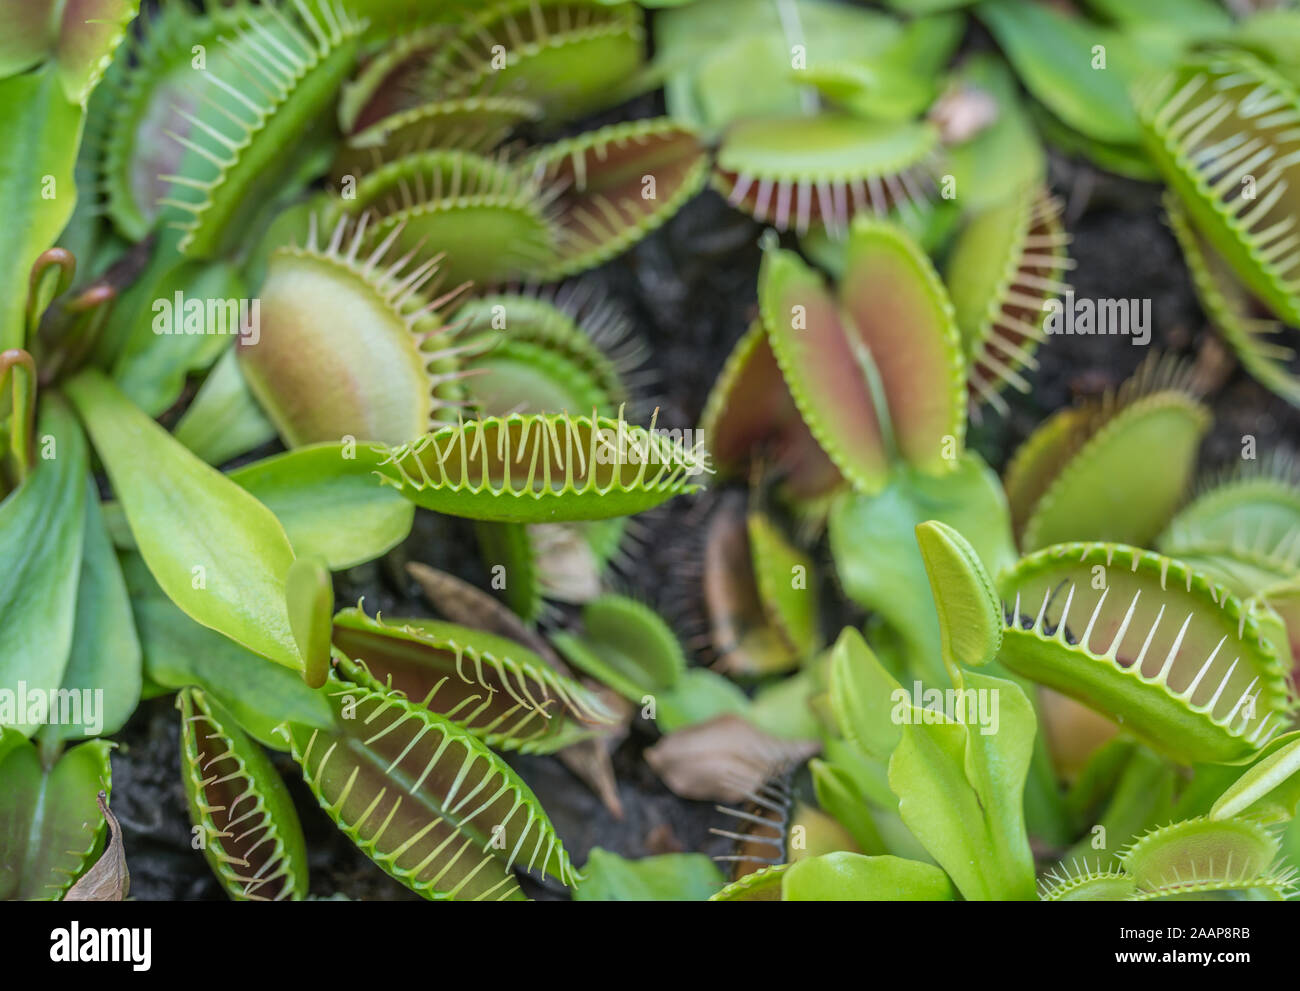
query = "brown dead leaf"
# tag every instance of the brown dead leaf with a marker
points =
(469, 605)
(108, 880)
(724, 759)
(590, 760)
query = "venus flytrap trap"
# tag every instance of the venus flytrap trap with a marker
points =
(1175, 656)
(1146, 433)
(1003, 273)
(499, 690)
(241, 811)
(424, 798)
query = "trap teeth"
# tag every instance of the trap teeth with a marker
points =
(1145, 640)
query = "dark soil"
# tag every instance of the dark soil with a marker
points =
(690, 291)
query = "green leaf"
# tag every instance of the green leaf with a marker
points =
(310, 596)
(837, 794)
(862, 696)
(627, 646)
(1270, 786)
(42, 129)
(178, 652)
(938, 805)
(28, 36)
(105, 655)
(41, 528)
(224, 421)
(960, 790)
(672, 877)
(1054, 55)
(848, 877)
(698, 696)
(183, 323)
(215, 550)
(998, 755)
(50, 826)
(970, 613)
(330, 502)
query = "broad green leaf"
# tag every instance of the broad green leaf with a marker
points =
(184, 322)
(862, 696)
(848, 877)
(626, 645)
(41, 528)
(1201, 16)
(330, 502)
(960, 785)
(178, 652)
(998, 753)
(215, 550)
(1057, 59)
(28, 36)
(224, 420)
(937, 803)
(837, 794)
(50, 826)
(672, 877)
(725, 60)
(310, 596)
(105, 656)
(42, 129)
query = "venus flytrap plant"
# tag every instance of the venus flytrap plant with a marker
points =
(45, 854)
(543, 467)
(550, 352)
(1146, 433)
(352, 344)
(386, 354)
(249, 829)
(424, 798)
(1228, 853)
(1004, 268)
(1175, 656)
(497, 689)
